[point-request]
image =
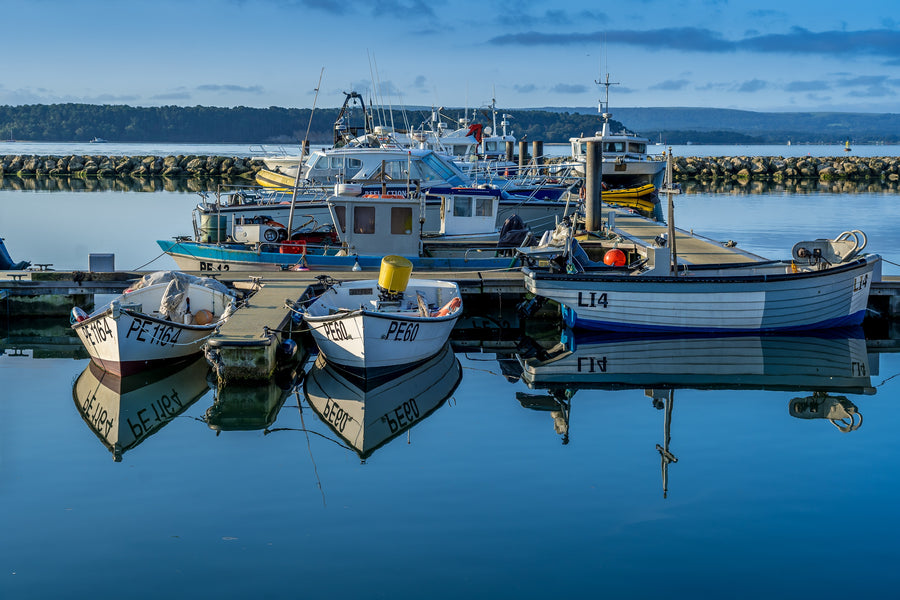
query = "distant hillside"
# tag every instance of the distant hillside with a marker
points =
(705, 125)
(200, 124)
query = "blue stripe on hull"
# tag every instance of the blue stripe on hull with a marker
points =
(570, 317)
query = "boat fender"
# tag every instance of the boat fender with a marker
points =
(449, 307)
(78, 315)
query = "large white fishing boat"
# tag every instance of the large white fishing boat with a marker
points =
(625, 160)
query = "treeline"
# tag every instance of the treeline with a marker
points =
(209, 124)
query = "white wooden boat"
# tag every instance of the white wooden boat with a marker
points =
(825, 284)
(377, 326)
(124, 411)
(164, 318)
(368, 413)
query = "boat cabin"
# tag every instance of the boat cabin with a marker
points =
(381, 224)
(382, 164)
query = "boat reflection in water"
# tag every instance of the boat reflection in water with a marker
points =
(124, 411)
(836, 362)
(246, 407)
(368, 413)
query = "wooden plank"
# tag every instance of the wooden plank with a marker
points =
(692, 249)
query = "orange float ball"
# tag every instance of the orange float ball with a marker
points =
(614, 258)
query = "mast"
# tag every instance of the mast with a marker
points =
(603, 107)
(302, 157)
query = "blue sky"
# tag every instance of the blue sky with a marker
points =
(760, 55)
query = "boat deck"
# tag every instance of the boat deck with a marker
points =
(692, 249)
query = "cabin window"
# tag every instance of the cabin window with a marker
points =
(364, 219)
(341, 213)
(401, 220)
(462, 206)
(639, 148)
(443, 170)
(614, 147)
(484, 207)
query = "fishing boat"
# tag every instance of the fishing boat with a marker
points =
(377, 326)
(369, 413)
(368, 228)
(824, 284)
(125, 411)
(163, 319)
(625, 160)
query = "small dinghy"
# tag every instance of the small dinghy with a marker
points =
(375, 327)
(164, 318)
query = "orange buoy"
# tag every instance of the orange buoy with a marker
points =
(614, 258)
(203, 317)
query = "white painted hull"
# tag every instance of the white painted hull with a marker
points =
(368, 414)
(718, 303)
(128, 340)
(352, 332)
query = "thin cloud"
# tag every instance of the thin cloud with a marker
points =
(569, 88)
(876, 42)
(807, 86)
(212, 87)
(754, 85)
(172, 96)
(527, 88)
(671, 85)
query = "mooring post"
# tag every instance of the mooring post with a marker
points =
(593, 179)
(523, 156)
(537, 152)
(510, 151)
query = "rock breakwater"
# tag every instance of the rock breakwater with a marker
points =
(778, 168)
(181, 166)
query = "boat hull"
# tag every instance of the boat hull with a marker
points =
(124, 338)
(215, 258)
(834, 297)
(351, 330)
(134, 341)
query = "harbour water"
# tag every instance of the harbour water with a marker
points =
(736, 468)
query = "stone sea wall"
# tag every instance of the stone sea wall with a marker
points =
(777, 168)
(758, 168)
(181, 166)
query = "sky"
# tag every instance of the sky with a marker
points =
(762, 55)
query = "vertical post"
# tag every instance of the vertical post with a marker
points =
(593, 177)
(523, 156)
(673, 255)
(510, 150)
(537, 152)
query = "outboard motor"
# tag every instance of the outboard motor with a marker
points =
(514, 233)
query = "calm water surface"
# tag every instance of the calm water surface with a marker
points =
(522, 478)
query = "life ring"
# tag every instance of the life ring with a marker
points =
(449, 307)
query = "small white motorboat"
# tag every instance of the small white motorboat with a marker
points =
(164, 318)
(378, 326)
